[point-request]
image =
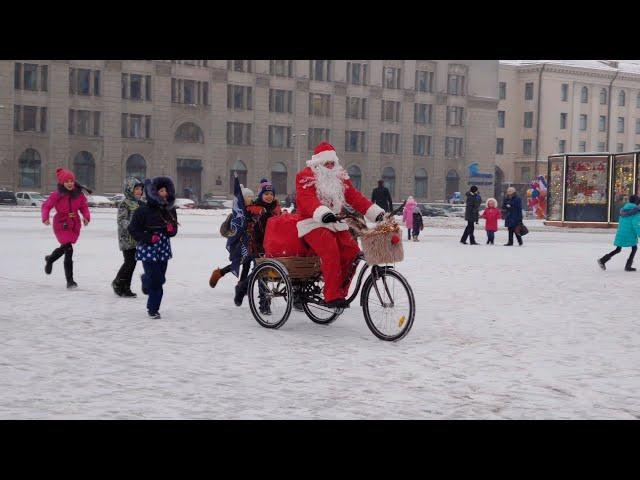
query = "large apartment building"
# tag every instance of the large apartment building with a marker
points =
(418, 124)
(557, 106)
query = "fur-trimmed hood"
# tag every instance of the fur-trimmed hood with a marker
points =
(151, 187)
(491, 199)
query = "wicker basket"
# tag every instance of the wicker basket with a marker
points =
(378, 247)
(299, 268)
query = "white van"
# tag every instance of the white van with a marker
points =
(30, 199)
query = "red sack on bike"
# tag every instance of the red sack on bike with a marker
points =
(281, 237)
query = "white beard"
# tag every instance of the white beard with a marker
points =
(329, 183)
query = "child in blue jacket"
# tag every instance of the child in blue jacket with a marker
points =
(627, 234)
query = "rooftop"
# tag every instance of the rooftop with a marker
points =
(627, 66)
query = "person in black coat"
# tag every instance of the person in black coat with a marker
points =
(471, 215)
(512, 208)
(151, 227)
(382, 197)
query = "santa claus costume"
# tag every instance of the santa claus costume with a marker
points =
(322, 189)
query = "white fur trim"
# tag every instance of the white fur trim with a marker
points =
(320, 212)
(495, 202)
(323, 157)
(309, 224)
(372, 212)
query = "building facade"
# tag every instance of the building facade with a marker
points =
(418, 124)
(557, 106)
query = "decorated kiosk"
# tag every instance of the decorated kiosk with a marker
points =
(588, 189)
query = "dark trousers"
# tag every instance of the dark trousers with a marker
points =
(65, 249)
(468, 232)
(416, 232)
(126, 270)
(408, 234)
(608, 256)
(152, 281)
(512, 231)
(491, 236)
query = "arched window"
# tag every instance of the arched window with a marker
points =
(29, 168)
(389, 178)
(622, 98)
(241, 169)
(189, 132)
(355, 174)
(584, 95)
(603, 96)
(84, 166)
(136, 167)
(499, 179)
(279, 178)
(420, 185)
(452, 184)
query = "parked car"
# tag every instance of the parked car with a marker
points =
(116, 199)
(184, 203)
(8, 198)
(450, 210)
(212, 204)
(98, 201)
(30, 199)
(429, 211)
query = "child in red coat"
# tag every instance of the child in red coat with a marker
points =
(491, 215)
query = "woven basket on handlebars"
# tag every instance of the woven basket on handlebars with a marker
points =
(377, 245)
(299, 268)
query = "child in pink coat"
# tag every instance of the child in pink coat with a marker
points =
(68, 201)
(407, 215)
(491, 215)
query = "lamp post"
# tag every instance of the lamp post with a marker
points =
(296, 136)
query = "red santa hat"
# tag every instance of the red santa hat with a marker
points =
(322, 154)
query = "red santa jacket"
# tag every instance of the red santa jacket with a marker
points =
(311, 211)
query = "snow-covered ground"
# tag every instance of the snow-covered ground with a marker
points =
(520, 333)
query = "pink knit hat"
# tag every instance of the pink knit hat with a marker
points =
(64, 175)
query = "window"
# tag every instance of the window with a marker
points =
(525, 174)
(562, 146)
(240, 65)
(136, 87)
(317, 135)
(389, 143)
(135, 126)
(390, 111)
(84, 122)
(354, 141)
(453, 147)
(279, 177)
(583, 122)
(502, 91)
(83, 81)
(582, 146)
(192, 63)
(96, 124)
(238, 133)
(528, 91)
(621, 98)
(391, 77)
(603, 96)
(356, 108)
(584, 95)
(499, 146)
(637, 147)
(422, 113)
(319, 104)
(321, 70)
(637, 125)
(526, 146)
(619, 147)
(528, 119)
(424, 81)
(30, 76)
(29, 118)
(147, 88)
(281, 68)
(189, 132)
(421, 180)
(357, 73)
(280, 101)
(638, 100)
(602, 123)
(136, 166)
(239, 97)
(84, 166)
(455, 84)
(455, 116)
(189, 92)
(500, 118)
(620, 124)
(355, 175)
(601, 146)
(563, 121)
(279, 137)
(29, 166)
(389, 178)
(564, 92)
(422, 145)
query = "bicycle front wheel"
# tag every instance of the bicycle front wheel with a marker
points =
(388, 304)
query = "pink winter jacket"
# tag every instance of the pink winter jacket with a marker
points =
(64, 203)
(407, 213)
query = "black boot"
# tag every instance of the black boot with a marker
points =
(49, 259)
(265, 306)
(68, 273)
(117, 287)
(628, 267)
(241, 291)
(602, 261)
(126, 290)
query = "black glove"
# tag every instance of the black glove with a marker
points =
(380, 217)
(329, 218)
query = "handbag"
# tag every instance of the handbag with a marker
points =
(522, 230)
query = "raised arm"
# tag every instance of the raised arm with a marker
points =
(48, 205)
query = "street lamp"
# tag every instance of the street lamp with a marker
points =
(296, 136)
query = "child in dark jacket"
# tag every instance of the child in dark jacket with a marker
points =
(418, 225)
(151, 226)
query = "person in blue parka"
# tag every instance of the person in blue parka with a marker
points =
(627, 234)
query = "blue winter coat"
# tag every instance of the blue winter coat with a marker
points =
(513, 211)
(628, 226)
